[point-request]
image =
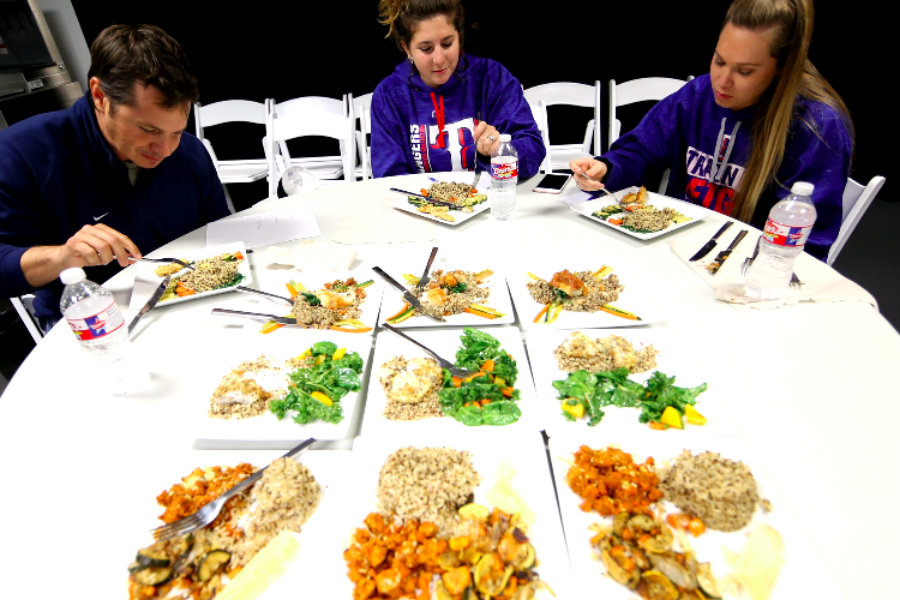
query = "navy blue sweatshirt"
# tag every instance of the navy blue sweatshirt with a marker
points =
(58, 173)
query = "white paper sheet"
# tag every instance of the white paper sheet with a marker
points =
(264, 229)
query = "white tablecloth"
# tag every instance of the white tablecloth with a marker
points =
(812, 388)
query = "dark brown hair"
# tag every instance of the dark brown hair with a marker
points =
(123, 55)
(403, 16)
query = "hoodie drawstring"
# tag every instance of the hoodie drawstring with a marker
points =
(718, 169)
(439, 114)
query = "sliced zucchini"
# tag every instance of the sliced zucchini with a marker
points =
(153, 575)
(211, 562)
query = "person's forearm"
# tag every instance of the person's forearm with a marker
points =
(42, 264)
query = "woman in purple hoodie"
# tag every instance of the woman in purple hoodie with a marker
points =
(442, 109)
(738, 138)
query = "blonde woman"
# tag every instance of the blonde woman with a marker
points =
(442, 109)
(738, 138)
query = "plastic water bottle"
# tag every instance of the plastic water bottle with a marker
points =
(786, 232)
(100, 328)
(504, 177)
(296, 179)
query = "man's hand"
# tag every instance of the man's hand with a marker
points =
(92, 245)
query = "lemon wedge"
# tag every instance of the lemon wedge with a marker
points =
(264, 568)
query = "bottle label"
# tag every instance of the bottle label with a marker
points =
(783, 235)
(100, 325)
(505, 170)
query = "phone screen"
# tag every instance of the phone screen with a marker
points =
(552, 182)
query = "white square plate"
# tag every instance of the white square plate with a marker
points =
(634, 298)
(671, 360)
(803, 574)
(692, 211)
(230, 348)
(493, 455)
(498, 299)
(146, 280)
(275, 281)
(445, 342)
(417, 185)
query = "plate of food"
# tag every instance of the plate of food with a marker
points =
(612, 379)
(700, 520)
(641, 214)
(481, 513)
(457, 200)
(214, 270)
(253, 546)
(408, 391)
(339, 301)
(463, 296)
(569, 296)
(254, 391)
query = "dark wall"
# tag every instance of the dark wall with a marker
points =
(283, 50)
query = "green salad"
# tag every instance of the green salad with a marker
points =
(328, 373)
(584, 394)
(489, 397)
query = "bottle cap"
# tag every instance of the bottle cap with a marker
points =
(505, 137)
(802, 188)
(72, 275)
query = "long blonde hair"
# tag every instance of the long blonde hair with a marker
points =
(792, 26)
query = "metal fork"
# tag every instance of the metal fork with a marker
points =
(477, 163)
(207, 513)
(255, 291)
(177, 261)
(244, 313)
(443, 362)
(795, 281)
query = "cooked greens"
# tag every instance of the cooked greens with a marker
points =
(329, 374)
(489, 397)
(584, 394)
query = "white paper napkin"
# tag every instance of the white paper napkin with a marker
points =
(821, 283)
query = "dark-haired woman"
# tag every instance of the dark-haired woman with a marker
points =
(443, 109)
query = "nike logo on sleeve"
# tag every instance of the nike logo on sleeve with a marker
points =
(100, 217)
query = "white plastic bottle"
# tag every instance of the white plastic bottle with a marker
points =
(504, 177)
(785, 234)
(98, 324)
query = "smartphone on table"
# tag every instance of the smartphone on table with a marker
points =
(552, 183)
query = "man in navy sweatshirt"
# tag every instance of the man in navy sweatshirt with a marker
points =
(111, 177)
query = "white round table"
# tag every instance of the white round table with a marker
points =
(812, 389)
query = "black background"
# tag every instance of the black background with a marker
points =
(283, 50)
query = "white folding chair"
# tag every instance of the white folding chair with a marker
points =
(855, 202)
(311, 116)
(233, 111)
(643, 89)
(565, 93)
(361, 107)
(22, 304)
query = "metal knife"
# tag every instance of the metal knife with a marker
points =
(407, 295)
(425, 278)
(722, 256)
(157, 294)
(711, 243)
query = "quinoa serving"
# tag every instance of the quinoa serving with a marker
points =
(208, 274)
(721, 492)
(579, 352)
(411, 387)
(580, 291)
(452, 292)
(427, 484)
(337, 301)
